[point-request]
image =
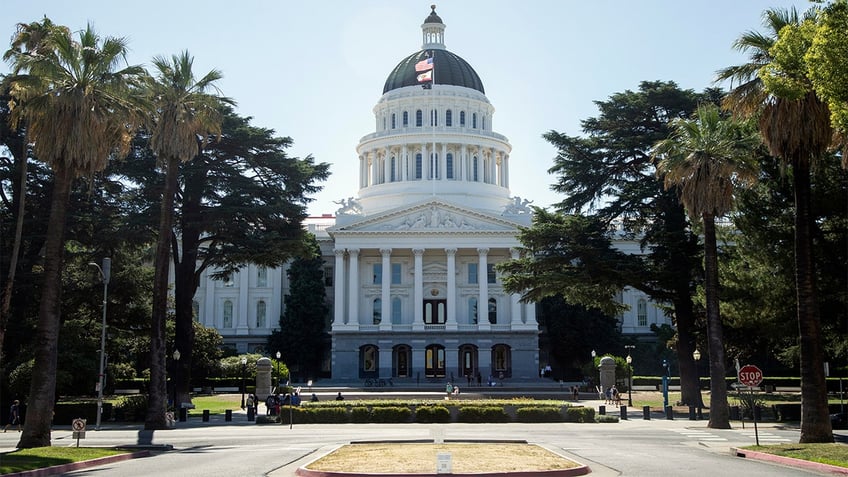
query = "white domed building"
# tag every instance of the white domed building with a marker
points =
(415, 290)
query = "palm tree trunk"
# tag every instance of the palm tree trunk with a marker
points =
(42, 390)
(158, 392)
(719, 410)
(815, 419)
(5, 308)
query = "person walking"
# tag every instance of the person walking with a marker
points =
(14, 416)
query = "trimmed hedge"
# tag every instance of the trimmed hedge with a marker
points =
(538, 414)
(391, 414)
(580, 414)
(432, 414)
(480, 414)
(360, 415)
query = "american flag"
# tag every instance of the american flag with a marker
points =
(424, 65)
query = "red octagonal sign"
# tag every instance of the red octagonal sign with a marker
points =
(750, 375)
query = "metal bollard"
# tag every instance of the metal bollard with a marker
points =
(228, 415)
(251, 415)
(206, 415)
(646, 413)
(669, 413)
(183, 414)
(691, 413)
(623, 413)
(700, 413)
(602, 410)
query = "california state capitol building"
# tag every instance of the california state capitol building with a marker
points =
(410, 258)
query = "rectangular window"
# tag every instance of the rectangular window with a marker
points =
(328, 276)
(449, 166)
(490, 273)
(378, 273)
(418, 166)
(472, 273)
(262, 277)
(396, 274)
(405, 118)
(642, 313)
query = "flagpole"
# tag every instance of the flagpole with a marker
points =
(433, 121)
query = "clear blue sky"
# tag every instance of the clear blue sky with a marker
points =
(313, 70)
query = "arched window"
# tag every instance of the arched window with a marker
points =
(384, 123)
(434, 361)
(472, 310)
(418, 166)
(462, 119)
(474, 120)
(419, 118)
(449, 165)
(394, 169)
(405, 118)
(368, 359)
(448, 118)
(493, 311)
(483, 122)
(396, 311)
(262, 277)
(475, 169)
(261, 311)
(394, 120)
(401, 358)
(377, 313)
(228, 314)
(642, 312)
(501, 360)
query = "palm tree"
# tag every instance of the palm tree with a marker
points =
(185, 117)
(704, 157)
(798, 132)
(79, 109)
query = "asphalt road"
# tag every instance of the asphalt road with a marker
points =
(628, 448)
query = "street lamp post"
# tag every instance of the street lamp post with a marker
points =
(176, 357)
(105, 272)
(243, 366)
(629, 375)
(697, 356)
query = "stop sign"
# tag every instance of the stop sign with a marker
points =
(750, 375)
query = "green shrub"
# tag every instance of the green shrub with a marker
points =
(298, 414)
(538, 414)
(606, 418)
(360, 415)
(391, 414)
(131, 408)
(329, 415)
(428, 414)
(580, 414)
(477, 414)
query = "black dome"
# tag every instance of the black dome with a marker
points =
(448, 69)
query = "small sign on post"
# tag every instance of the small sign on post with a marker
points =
(78, 426)
(752, 376)
(443, 463)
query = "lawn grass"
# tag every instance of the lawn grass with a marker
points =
(833, 454)
(216, 403)
(40, 457)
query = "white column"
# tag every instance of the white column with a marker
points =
(375, 167)
(276, 275)
(385, 290)
(418, 294)
(506, 169)
(463, 163)
(425, 163)
(443, 160)
(242, 327)
(363, 170)
(338, 289)
(387, 165)
(209, 302)
(483, 297)
(450, 323)
(515, 305)
(530, 312)
(353, 287)
(402, 164)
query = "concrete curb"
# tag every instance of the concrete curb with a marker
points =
(789, 461)
(84, 464)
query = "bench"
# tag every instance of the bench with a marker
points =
(226, 389)
(127, 391)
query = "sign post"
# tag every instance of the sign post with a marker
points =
(78, 426)
(752, 376)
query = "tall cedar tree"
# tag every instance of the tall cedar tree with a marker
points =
(241, 201)
(609, 173)
(302, 337)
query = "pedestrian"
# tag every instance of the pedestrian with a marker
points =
(339, 396)
(249, 403)
(575, 392)
(271, 405)
(448, 390)
(255, 405)
(479, 379)
(456, 391)
(608, 396)
(314, 397)
(14, 416)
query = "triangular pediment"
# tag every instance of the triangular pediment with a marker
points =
(433, 216)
